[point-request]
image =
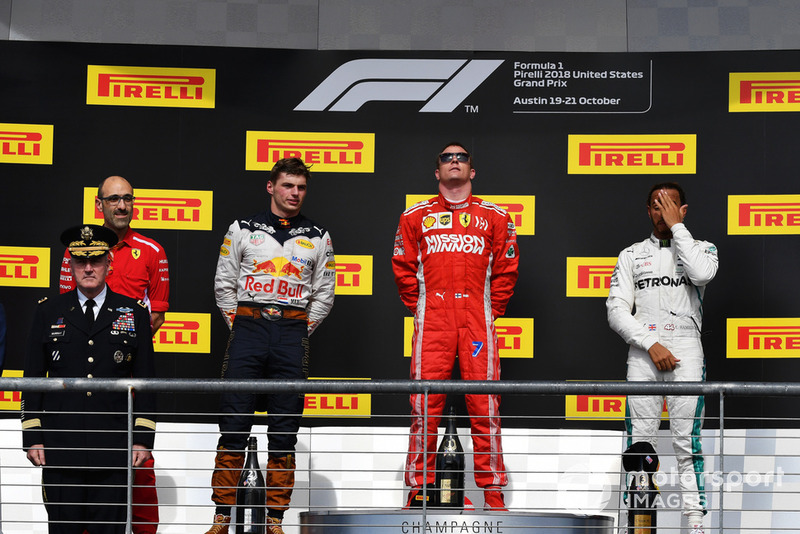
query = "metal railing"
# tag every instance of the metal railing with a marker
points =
(722, 390)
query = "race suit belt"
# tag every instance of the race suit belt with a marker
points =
(271, 312)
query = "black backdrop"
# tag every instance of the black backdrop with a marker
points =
(515, 154)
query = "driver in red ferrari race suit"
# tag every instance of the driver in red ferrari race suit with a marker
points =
(455, 263)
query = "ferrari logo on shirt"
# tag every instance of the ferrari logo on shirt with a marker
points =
(464, 219)
(136, 253)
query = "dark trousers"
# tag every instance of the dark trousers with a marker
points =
(263, 349)
(87, 499)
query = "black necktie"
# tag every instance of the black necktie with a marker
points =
(89, 312)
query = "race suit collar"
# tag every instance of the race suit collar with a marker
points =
(452, 206)
(662, 243)
(282, 222)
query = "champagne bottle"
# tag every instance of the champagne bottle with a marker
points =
(641, 462)
(642, 518)
(450, 467)
(251, 495)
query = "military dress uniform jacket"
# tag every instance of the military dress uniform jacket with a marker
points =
(88, 428)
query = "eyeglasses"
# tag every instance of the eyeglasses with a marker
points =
(114, 199)
(447, 157)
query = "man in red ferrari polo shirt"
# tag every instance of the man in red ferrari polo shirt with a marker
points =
(138, 269)
(139, 266)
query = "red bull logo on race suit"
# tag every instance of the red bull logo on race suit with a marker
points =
(267, 266)
(278, 267)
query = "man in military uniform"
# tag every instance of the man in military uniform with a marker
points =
(138, 268)
(80, 438)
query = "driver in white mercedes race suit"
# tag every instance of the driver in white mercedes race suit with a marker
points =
(656, 304)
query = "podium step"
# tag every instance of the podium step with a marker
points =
(449, 522)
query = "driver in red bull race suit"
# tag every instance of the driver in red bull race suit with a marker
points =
(274, 285)
(455, 263)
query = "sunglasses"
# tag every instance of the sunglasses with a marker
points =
(114, 199)
(447, 157)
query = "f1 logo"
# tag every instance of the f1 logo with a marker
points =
(363, 80)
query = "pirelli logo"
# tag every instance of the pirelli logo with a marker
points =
(353, 275)
(340, 405)
(26, 143)
(521, 208)
(11, 400)
(160, 209)
(25, 266)
(108, 85)
(764, 338)
(184, 332)
(632, 154)
(325, 151)
(763, 214)
(599, 407)
(514, 337)
(763, 91)
(589, 277)
(337, 405)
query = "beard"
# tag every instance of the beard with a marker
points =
(118, 223)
